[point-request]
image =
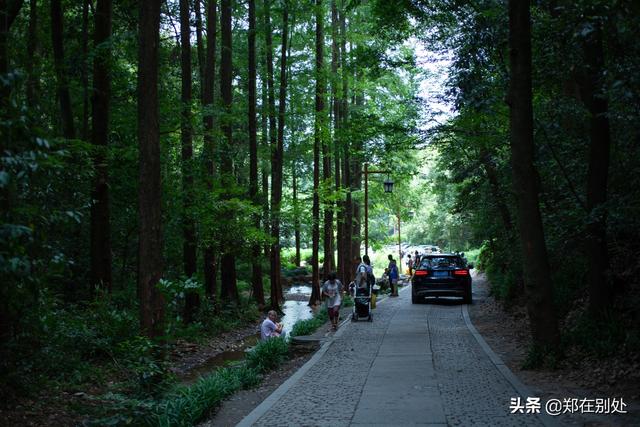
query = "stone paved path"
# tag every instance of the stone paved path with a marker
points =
(413, 365)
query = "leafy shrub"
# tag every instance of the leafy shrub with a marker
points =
(59, 343)
(186, 405)
(602, 337)
(538, 357)
(268, 355)
(145, 364)
(249, 377)
(309, 326)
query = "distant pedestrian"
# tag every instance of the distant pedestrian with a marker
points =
(371, 278)
(409, 265)
(332, 291)
(394, 275)
(270, 327)
(416, 261)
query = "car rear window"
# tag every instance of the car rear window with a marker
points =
(441, 262)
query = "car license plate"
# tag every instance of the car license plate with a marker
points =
(440, 274)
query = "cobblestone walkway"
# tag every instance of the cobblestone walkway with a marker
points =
(473, 391)
(413, 365)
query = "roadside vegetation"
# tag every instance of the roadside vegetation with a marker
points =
(186, 405)
(570, 256)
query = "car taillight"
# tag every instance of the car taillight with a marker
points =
(461, 272)
(421, 273)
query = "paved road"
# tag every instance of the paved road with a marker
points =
(413, 365)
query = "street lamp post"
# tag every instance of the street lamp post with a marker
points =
(399, 245)
(388, 188)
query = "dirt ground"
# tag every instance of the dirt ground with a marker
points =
(577, 376)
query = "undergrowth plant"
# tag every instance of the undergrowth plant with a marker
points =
(309, 326)
(186, 405)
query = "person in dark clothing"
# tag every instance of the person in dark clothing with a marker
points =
(394, 275)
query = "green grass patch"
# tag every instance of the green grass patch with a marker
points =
(187, 405)
(309, 326)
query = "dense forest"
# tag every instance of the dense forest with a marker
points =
(166, 164)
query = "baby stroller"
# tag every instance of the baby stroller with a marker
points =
(362, 302)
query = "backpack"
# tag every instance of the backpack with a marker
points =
(371, 279)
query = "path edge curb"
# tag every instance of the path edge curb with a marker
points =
(517, 385)
(273, 398)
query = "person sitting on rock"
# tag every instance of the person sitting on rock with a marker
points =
(270, 328)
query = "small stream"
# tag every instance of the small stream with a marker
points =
(228, 357)
(295, 308)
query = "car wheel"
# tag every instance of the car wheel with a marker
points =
(414, 299)
(468, 297)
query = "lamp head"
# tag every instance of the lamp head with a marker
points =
(388, 185)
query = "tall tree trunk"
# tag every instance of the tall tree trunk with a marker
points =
(32, 47)
(9, 10)
(328, 264)
(189, 244)
(335, 82)
(271, 108)
(150, 246)
(264, 170)
(317, 141)
(57, 40)
(600, 291)
(228, 285)
(84, 133)
(209, 256)
(296, 213)
(199, 44)
(100, 213)
(264, 198)
(356, 161)
(277, 153)
(347, 183)
(256, 264)
(537, 277)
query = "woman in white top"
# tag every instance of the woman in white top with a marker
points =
(332, 290)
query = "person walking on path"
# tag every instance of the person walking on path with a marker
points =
(371, 278)
(409, 265)
(394, 275)
(332, 291)
(270, 328)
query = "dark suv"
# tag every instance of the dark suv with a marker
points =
(442, 275)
